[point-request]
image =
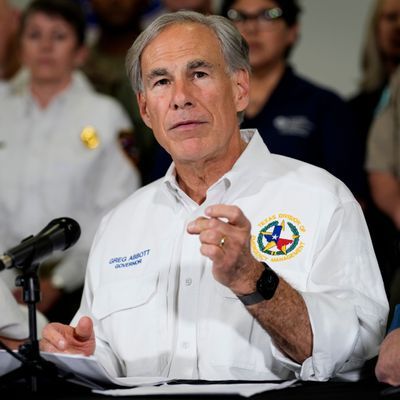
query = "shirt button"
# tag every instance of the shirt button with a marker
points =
(188, 281)
(185, 345)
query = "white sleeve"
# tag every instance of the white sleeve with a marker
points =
(103, 352)
(13, 322)
(345, 299)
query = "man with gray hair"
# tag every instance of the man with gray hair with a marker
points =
(238, 264)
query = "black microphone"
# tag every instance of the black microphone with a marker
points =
(59, 234)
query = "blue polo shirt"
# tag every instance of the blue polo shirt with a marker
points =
(312, 124)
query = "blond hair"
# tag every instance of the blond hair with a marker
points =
(374, 73)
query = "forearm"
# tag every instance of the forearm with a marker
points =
(286, 319)
(388, 366)
(285, 316)
(390, 205)
(386, 194)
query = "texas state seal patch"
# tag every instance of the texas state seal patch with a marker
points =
(279, 238)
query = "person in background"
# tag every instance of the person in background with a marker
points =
(118, 24)
(14, 319)
(14, 328)
(239, 263)
(59, 155)
(9, 60)
(380, 58)
(383, 166)
(387, 368)
(383, 155)
(201, 6)
(295, 116)
(164, 6)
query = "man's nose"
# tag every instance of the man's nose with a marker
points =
(181, 97)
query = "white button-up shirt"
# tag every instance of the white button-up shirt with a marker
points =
(48, 171)
(158, 311)
(13, 322)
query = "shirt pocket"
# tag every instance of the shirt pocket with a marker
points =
(228, 334)
(131, 315)
(115, 297)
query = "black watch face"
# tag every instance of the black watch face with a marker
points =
(267, 283)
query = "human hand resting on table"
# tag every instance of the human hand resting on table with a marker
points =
(387, 369)
(60, 338)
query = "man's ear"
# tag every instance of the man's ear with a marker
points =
(241, 80)
(141, 100)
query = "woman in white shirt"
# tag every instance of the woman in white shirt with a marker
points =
(13, 322)
(59, 154)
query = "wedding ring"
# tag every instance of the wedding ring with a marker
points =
(222, 242)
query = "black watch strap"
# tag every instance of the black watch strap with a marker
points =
(252, 298)
(266, 287)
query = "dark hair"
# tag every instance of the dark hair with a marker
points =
(68, 10)
(290, 9)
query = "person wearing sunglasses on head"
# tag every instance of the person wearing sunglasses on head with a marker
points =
(295, 116)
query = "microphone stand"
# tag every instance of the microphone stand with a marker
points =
(33, 365)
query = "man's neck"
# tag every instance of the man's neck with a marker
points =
(196, 178)
(45, 92)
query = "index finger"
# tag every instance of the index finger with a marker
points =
(233, 214)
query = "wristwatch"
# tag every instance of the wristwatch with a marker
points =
(265, 287)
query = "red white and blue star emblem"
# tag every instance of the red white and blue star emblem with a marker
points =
(279, 239)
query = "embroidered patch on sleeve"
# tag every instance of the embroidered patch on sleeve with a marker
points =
(279, 238)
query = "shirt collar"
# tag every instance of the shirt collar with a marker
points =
(250, 161)
(78, 83)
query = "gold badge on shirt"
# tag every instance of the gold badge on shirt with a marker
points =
(89, 137)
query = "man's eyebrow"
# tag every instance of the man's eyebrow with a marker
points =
(155, 73)
(199, 63)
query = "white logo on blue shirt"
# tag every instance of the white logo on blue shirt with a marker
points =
(298, 125)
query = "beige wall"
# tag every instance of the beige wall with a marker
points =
(331, 40)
